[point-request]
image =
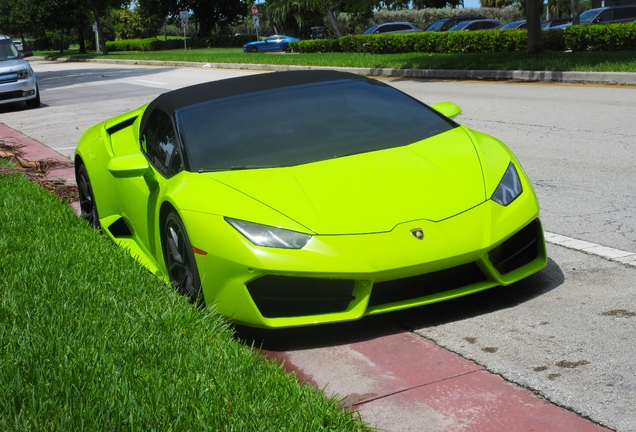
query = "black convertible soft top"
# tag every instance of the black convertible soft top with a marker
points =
(173, 100)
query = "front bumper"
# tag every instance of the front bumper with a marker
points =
(343, 278)
(13, 90)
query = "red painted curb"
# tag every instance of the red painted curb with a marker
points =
(31, 149)
(402, 382)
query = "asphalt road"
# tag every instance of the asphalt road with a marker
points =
(568, 332)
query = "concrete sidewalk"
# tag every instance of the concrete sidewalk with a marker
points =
(395, 379)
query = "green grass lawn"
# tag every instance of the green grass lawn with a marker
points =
(621, 61)
(90, 340)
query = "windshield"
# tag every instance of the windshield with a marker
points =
(461, 26)
(8, 51)
(588, 16)
(371, 29)
(296, 125)
(437, 25)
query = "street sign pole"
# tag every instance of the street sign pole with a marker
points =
(257, 24)
(184, 23)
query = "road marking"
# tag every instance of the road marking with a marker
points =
(608, 253)
(151, 82)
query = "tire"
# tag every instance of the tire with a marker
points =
(286, 48)
(35, 102)
(252, 49)
(179, 258)
(87, 198)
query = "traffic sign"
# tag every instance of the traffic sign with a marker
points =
(184, 15)
(254, 11)
(257, 24)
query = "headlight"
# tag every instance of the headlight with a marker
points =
(509, 187)
(268, 236)
(24, 73)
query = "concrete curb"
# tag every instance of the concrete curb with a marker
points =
(621, 78)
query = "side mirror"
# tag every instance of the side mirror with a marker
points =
(449, 109)
(135, 165)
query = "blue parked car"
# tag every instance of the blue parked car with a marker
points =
(271, 43)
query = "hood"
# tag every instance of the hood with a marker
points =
(371, 192)
(7, 66)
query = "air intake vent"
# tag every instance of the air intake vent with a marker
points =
(426, 284)
(283, 296)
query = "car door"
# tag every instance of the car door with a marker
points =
(271, 44)
(139, 194)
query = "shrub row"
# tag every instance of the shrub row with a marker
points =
(609, 37)
(154, 44)
(433, 42)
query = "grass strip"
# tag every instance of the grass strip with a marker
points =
(593, 61)
(89, 340)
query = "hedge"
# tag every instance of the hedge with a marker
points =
(154, 44)
(601, 37)
(610, 37)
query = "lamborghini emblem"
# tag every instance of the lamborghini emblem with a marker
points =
(418, 233)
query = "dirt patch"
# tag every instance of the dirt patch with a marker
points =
(37, 171)
(621, 313)
(571, 365)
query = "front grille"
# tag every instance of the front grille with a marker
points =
(284, 296)
(11, 95)
(519, 250)
(11, 78)
(426, 284)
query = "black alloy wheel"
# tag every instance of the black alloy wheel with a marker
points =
(252, 49)
(286, 48)
(86, 197)
(179, 258)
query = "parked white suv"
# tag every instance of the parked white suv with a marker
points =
(17, 80)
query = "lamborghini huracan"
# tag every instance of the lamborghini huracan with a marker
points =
(305, 197)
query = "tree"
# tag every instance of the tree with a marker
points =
(533, 16)
(576, 12)
(438, 4)
(496, 3)
(210, 14)
(154, 13)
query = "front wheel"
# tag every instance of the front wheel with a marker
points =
(35, 102)
(179, 258)
(252, 49)
(86, 198)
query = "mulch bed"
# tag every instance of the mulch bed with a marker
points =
(36, 171)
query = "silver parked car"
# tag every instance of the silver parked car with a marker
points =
(392, 27)
(17, 80)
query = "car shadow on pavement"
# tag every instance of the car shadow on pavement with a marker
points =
(372, 327)
(55, 79)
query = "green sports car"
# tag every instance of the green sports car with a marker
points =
(306, 197)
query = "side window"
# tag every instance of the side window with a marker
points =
(160, 144)
(625, 13)
(473, 26)
(607, 15)
(402, 27)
